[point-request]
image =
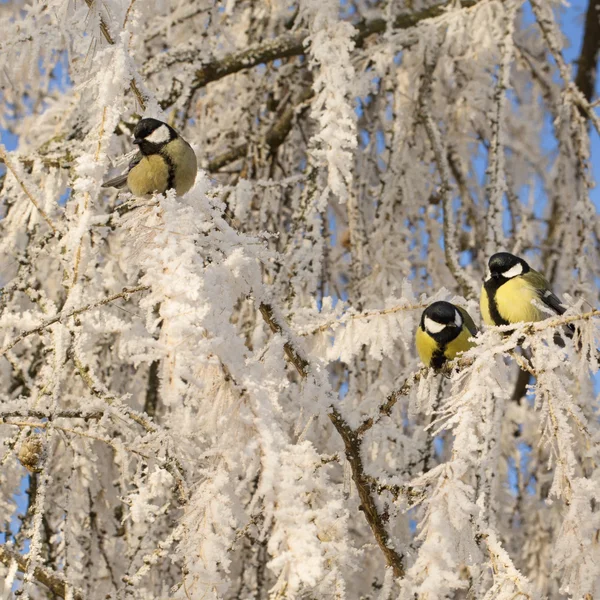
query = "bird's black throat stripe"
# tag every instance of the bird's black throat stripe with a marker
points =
(443, 338)
(171, 167)
(491, 287)
(438, 358)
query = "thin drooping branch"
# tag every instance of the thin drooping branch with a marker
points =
(587, 63)
(352, 444)
(284, 46)
(124, 293)
(547, 25)
(274, 137)
(466, 283)
(497, 184)
(171, 464)
(109, 38)
(4, 158)
(55, 582)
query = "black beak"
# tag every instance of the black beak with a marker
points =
(496, 275)
(137, 141)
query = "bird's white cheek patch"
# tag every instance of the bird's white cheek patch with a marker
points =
(513, 271)
(159, 136)
(488, 275)
(433, 327)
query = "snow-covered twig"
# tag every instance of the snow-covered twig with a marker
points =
(76, 311)
(352, 445)
(54, 581)
(466, 283)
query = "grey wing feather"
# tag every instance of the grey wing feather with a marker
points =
(121, 180)
(550, 299)
(117, 182)
(469, 323)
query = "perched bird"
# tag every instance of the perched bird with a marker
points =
(509, 289)
(165, 161)
(445, 331)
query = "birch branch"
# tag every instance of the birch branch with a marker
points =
(352, 444)
(284, 46)
(466, 283)
(54, 581)
(547, 26)
(124, 293)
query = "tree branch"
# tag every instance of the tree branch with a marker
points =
(284, 46)
(274, 137)
(466, 283)
(76, 311)
(352, 444)
(62, 414)
(590, 49)
(386, 408)
(54, 581)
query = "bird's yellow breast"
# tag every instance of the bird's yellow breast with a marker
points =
(459, 344)
(514, 300)
(182, 155)
(149, 176)
(427, 346)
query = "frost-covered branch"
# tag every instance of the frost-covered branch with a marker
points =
(54, 581)
(352, 444)
(26, 188)
(285, 46)
(544, 18)
(587, 63)
(124, 293)
(466, 283)
(496, 163)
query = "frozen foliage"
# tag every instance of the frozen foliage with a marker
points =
(217, 395)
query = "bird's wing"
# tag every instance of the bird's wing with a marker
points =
(135, 160)
(547, 296)
(121, 180)
(469, 323)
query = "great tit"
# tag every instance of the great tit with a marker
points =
(444, 332)
(509, 290)
(165, 161)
